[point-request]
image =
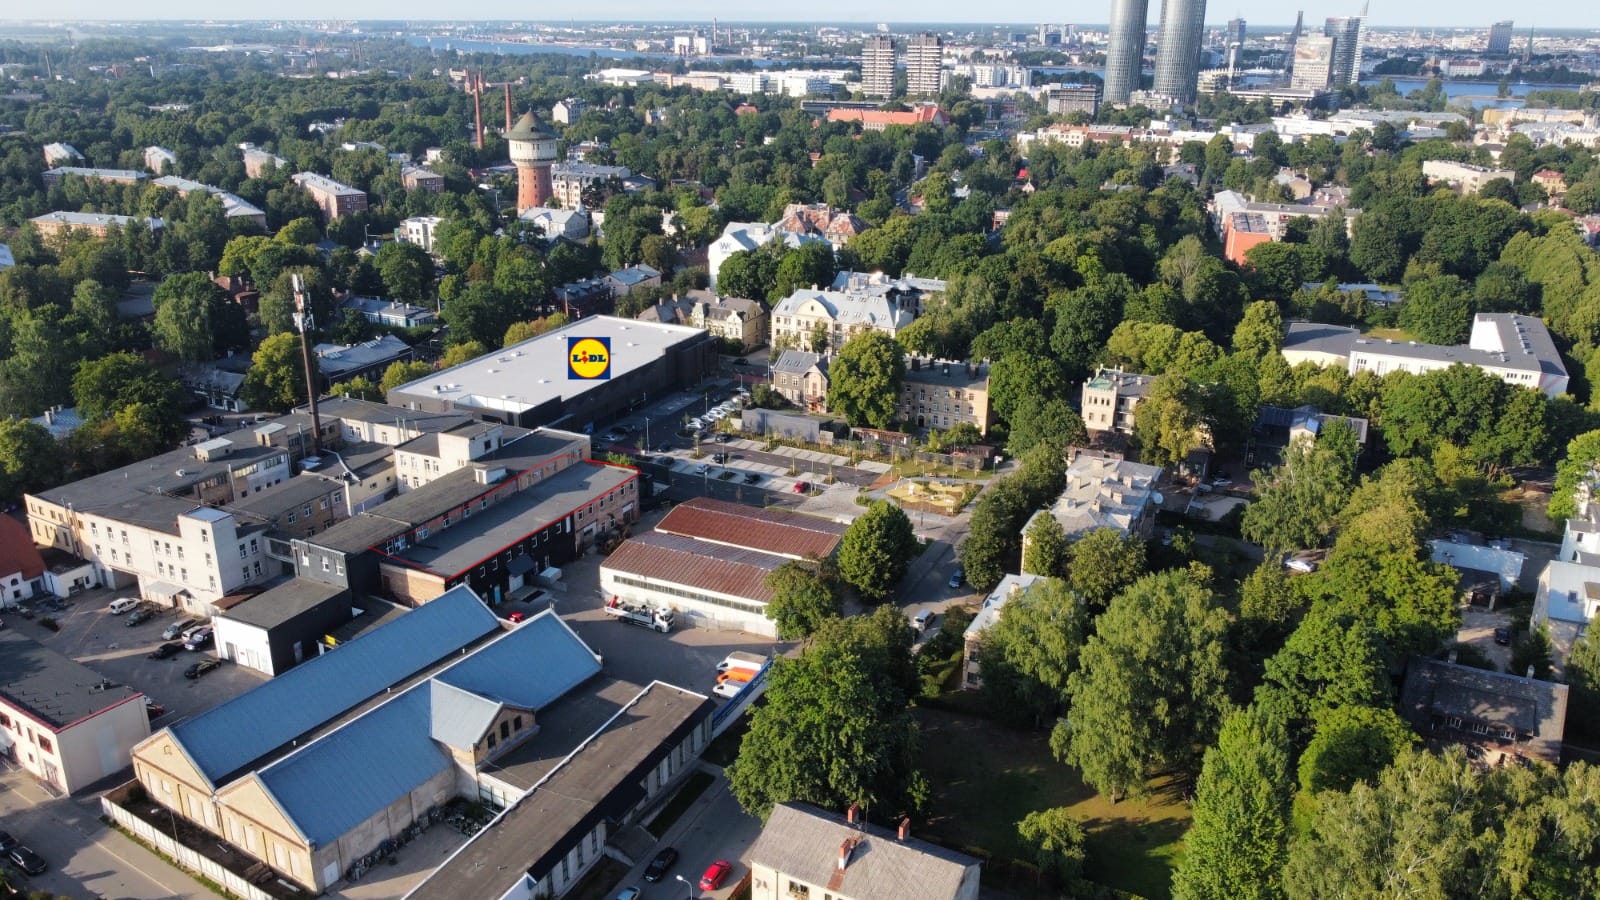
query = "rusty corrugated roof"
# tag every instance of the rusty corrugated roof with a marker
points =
(791, 534)
(699, 565)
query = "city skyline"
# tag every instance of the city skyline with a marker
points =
(1470, 14)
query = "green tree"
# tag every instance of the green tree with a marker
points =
(1056, 840)
(103, 386)
(1351, 744)
(1031, 651)
(1039, 419)
(1330, 661)
(30, 459)
(1044, 547)
(1260, 332)
(189, 316)
(1574, 475)
(1152, 684)
(276, 380)
(457, 354)
(804, 595)
(1170, 422)
(358, 388)
(1104, 562)
(876, 550)
(835, 728)
(809, 265)
(1239, 840)
(1532, 655)
(993, 543)
(1299, 500)
(1582, 671)
(400, 373)
(1438, 310)
(865, 378)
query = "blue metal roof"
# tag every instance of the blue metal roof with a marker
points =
(352, 773)
(224, 740)
(537, 663)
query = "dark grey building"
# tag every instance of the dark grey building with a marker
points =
(1183, 24)
(1125, 55)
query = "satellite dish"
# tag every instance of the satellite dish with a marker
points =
(1156, 496)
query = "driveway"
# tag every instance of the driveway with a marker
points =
(1477, 629)
(713, 828)
(86, 858)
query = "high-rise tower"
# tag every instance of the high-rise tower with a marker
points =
(877, 66)
(1499, 42)
(924, 63)
(1125, 53)
(1349, 33)
(1183, 25)
(533, 152)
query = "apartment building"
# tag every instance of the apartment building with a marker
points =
(256, 162)
(1103, 493)
(233, 206)
(418, 230)
(96, 224)
(940, 394)
(840, 315)
(160, 160)
(417, 178)
(802, 378)
(877, 65)
(568, 180)
(53, 177)
(1110, 398)
(332, 198)
(732, 319)
(1464, 177)
(1009, 588)
(924, 64)
(806, 852)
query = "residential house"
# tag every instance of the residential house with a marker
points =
(391, 313)
(940, 394)
(740, 237)
(418, 178)
(589, 297)
(418, 230)
(1009, 588)
(1104, 493)
(1110, 397)
(60, 421)
(623, 282)
(96, 224)
(567, 111)
(732, 319)
(1553, 182)
(838, 316)
(1464, 177)
(1507, 715)
(802, 379)
(339, 362)
(820, 220)
(567, 224)
(1279, 427)
(64, 723)
(21, 566)
(806, 852)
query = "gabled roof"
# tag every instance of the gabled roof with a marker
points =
(775, 531)
(701, 565)
(350, 774)
(228, 738)
(803, 842)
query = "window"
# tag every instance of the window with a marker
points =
(183, 574)
(306, 510)
(245, 570)
(505, 730)
(258, 567)
(243, 554)
(491, 740)
(44, 744)
(516, 723)
(291, 517)
(252, 545)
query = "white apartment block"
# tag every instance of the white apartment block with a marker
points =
(1464, 177)
(419, 230)
(1516, 349)
(842, 314)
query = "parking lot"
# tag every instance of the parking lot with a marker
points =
(90, 634)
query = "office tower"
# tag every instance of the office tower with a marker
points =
(1313, 63)
(877, 66)
(1183, 24)
(1234, 36)
(924, 61)
(1348, 33)
(1125, 53)
(1294, 40)
(1500, 38)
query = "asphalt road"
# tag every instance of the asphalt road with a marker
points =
(86, 858)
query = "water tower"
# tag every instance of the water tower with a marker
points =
(533, 151)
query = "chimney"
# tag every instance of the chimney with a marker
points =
(1452, 657)
(50, 417)
(905, 829)
(844, 852)
(853, 814)
(916, 363)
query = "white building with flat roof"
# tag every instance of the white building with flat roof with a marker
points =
(1516, 349)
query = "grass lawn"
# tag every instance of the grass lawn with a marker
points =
(986, 777)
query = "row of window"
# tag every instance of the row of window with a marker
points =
(742, 606)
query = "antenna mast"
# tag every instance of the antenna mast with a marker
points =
(304, 320)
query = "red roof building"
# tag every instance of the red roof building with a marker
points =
(20, 562)
(878, 120)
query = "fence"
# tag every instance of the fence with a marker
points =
(191, 860)
(896, 453)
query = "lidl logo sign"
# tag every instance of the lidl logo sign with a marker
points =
(589, 358)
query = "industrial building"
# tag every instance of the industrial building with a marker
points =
(528, 384)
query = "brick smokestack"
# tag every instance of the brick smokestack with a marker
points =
(905, 829)
(853, 814)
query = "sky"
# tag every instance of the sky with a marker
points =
(1383, 13)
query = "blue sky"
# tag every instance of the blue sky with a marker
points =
(1384, 13)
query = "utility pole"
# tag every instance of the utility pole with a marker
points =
(305, 321)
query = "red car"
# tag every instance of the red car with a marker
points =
(715, 875)
(800, 487)
(517, 616)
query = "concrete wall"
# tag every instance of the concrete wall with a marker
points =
(101, 744)
(188, 859)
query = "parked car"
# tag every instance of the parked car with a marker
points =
(7, 842)
(1502, 636)
(752, 478)
(1221, 481)
(177, 628)
(659, 866)
(922, 620)
(153, 709)
(121, 605)
(958, 576)
(665, 461)
(715, 875)
(140, 615)
(201, 668)
(630, 893)
(663, 448)
(170, 648)
(703, 469)
(516, 616)
(722, 437)
(198, 639)
(27, 860)
(719, 458)
(801, 487)
(1300, 564)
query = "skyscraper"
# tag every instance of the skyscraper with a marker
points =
(1183, 24)
(1348, 33)
(1125, 54)
(1313, 63)
(924, 62)
(877, 66)
(1234, 35)
(1500, 38)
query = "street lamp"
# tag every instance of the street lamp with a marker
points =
(688, 884)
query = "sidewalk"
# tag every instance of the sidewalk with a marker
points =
(712, 828)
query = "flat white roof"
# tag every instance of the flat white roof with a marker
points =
(522, 376)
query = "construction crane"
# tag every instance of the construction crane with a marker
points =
(475, 87)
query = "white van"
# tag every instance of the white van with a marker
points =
(728, 689)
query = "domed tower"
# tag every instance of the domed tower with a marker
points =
(533, 152)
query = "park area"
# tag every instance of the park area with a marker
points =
(944, 497)
(984, 778)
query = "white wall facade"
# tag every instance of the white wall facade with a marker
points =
(703, 609)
